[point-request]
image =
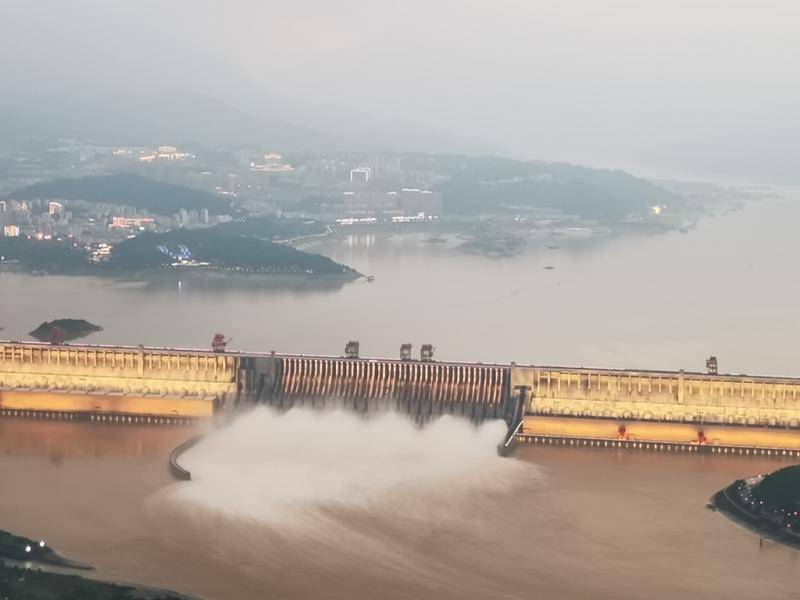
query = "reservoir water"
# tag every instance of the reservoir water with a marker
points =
(728, 287)
(272, 516)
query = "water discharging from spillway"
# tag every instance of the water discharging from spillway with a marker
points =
(287, 469)
(335, 490)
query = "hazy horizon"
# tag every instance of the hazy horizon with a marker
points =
(663, 88)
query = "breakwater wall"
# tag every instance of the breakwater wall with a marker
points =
(176, 469)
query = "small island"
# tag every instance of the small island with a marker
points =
(768, 504)
(64, 330)
(495, 247)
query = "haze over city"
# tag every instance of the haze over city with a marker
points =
(696, 89)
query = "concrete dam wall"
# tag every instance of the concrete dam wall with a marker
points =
(135, 380)
(558, 402)
(661, 396)
(115, 380)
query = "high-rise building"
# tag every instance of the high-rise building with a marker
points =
(55, 208)
(360, 175)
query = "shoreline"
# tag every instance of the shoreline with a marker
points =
(31, 569)
(146, 273)
(724, 503)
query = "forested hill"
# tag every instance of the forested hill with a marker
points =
(220, 248)
(129, 190)
(478, 185)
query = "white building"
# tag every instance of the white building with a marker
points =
(360, 175)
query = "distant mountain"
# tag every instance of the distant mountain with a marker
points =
(179, 118)
(488, 184)
(126, 190)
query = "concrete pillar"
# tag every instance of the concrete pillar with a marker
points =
(681, 386)
(141, 361)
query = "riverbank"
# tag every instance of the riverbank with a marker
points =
(16, 548)
(21, 583)
(147, 274)
(736, 503)
(31, 569)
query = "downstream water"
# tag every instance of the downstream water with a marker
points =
(550, 523)
(310, 506)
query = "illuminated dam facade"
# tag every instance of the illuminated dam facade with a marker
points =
(565, 405)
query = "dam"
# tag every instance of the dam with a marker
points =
(661, 410)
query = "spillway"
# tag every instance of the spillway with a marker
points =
(422, 390)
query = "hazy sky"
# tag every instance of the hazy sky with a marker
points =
(664, 86)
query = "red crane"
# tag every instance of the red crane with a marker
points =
(219, 343)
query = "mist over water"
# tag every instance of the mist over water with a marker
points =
(317, 501)
(293, 470)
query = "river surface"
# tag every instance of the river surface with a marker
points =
(549, 523)
(571, 523)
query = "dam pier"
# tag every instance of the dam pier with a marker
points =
(637, 409)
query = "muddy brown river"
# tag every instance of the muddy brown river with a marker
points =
(560, 523)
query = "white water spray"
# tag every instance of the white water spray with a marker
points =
(286, 470)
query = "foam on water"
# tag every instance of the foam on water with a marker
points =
(292, 469)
